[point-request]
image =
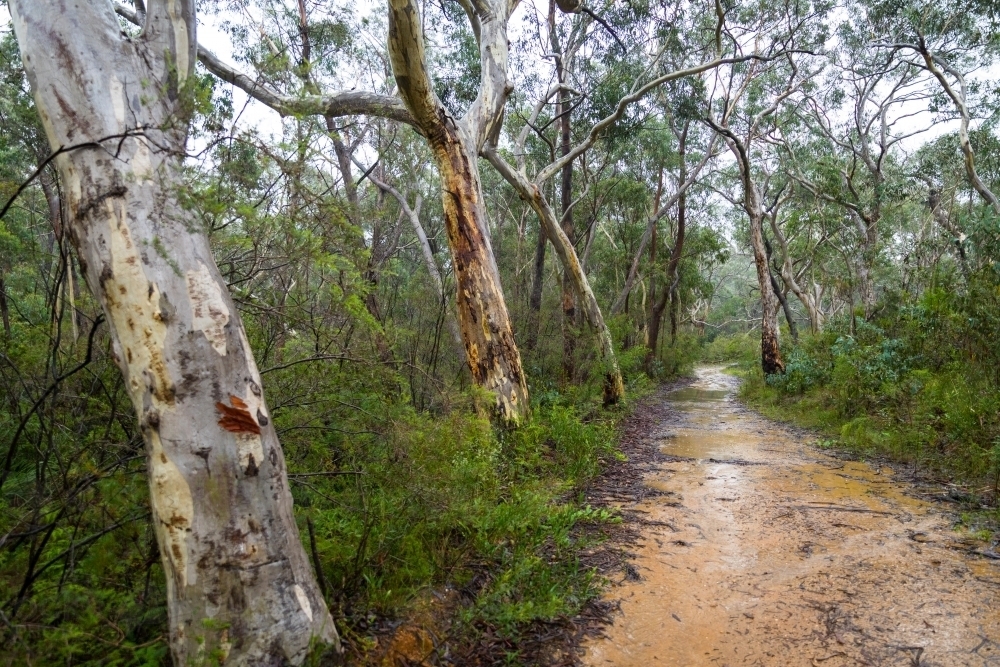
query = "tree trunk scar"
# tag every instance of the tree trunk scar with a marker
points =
(181, 40)
(117, 91)
(139, 323)
(237, 419)
(303, 599)
(209, 313)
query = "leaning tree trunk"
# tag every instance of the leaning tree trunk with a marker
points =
(491, 353)
(614, 386)
(239, 586)
(793, 328)
(787, 273)
(937, 66)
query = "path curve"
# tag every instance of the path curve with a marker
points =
(758, 549)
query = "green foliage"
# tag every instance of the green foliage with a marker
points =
(742, 348)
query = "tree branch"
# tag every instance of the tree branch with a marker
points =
(349, 103)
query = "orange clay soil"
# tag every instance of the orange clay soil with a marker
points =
(760, 550)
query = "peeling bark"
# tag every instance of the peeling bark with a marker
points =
(239, 585)
(492, 354)
(770, 358)
(490, 349)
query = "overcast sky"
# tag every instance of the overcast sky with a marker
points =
(252, 114)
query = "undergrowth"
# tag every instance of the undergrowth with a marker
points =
(391, 501)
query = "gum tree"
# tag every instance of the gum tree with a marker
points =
(115, 110)
(742, 126)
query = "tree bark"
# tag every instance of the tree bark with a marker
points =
(793, 329)
(492, 355)
(614, 386)
(770, 350)
(866, 262)
(239, 586)
(781, 296)
(563, 112)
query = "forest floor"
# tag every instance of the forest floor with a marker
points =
(754, 547)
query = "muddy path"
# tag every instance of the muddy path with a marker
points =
(758, 549)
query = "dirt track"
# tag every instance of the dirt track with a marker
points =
(758, 549)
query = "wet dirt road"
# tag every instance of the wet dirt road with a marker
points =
(759, 549)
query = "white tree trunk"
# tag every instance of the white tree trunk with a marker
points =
(614, 386)
(239, 586)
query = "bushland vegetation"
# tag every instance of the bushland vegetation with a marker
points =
(453, 251)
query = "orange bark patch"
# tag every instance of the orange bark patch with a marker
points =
(237, 418)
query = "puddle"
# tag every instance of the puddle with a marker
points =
(771, 553)
(697, 395)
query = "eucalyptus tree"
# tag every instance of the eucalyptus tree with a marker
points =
(743, 120)
(855, 162)
(951, 202)
(115, 111)
(649, 74)
(685, 128)
(799, 240)
(950, 41)
(686, 178)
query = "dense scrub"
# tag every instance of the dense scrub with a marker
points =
(389, 500)
(400, 482)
